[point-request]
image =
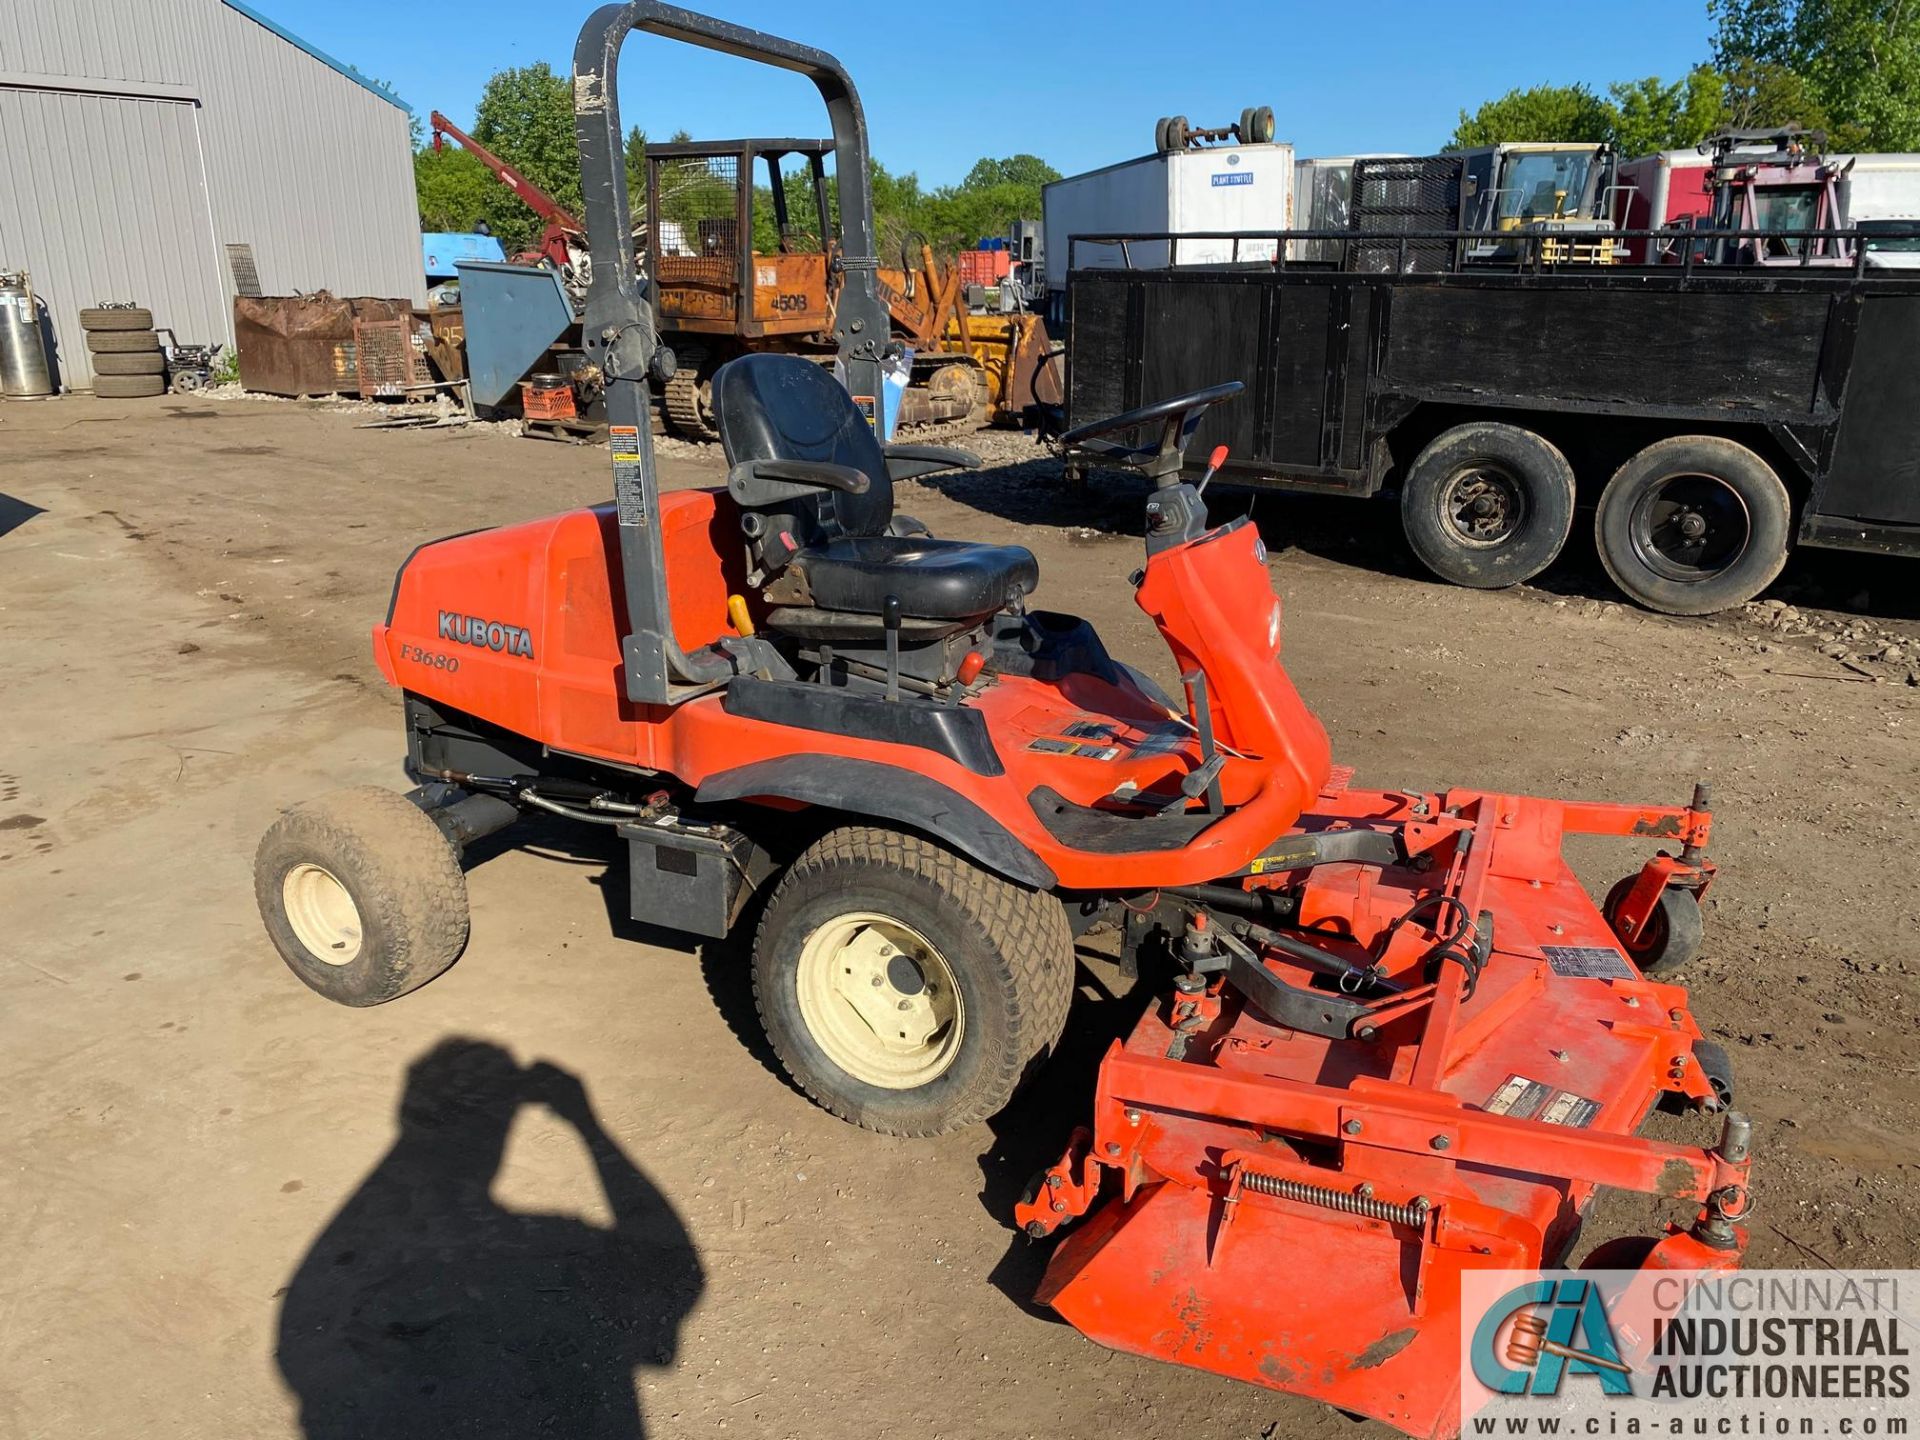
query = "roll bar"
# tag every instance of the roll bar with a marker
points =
(618, 328)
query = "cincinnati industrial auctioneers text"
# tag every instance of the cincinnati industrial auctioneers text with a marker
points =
(1748, 1349)
(1677, 1352)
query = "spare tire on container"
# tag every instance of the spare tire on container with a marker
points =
(1487, 504)
(1693, 524)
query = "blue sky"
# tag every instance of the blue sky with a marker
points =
(1079, 83)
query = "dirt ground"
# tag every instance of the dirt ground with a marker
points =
(216, 1190)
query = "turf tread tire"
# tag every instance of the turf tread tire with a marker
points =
(128, 387)
(1030, 952)
(123, 342)
(151, 362)
(1534, 461)
(1760, 489)
(403, 876)
(96, 318)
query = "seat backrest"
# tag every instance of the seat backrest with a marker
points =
(784, 407)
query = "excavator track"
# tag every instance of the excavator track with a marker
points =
(688, 400)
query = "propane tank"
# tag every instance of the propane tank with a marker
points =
(23, 355)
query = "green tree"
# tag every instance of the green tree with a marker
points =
(1542, 112)
(1859, 61)
(455, 190)
(525, 116)
(1762, 95)
(1650, 115)
(1020, 169)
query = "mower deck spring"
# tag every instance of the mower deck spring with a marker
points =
(1413, 1216)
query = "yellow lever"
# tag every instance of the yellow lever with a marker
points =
(737, 613)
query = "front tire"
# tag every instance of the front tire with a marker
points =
(362, 895)
(1693, 524)
(904, 988)
(1488, 505)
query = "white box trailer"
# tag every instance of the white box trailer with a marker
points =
(1878, 187)
(1224, 188)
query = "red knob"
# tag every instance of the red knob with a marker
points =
(971, 667)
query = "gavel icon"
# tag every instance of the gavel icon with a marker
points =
(1528, 1342)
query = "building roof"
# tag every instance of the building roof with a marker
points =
(325, 59)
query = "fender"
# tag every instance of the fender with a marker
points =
(886, 792)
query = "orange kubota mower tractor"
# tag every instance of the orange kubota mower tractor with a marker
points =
(1397, 1042)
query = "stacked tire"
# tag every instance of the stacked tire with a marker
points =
(128, 363)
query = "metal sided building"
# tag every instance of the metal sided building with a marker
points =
(175, 153)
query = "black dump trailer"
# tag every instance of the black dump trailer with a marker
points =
(1711, 416)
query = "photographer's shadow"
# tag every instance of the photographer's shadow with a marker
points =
(426, 1308)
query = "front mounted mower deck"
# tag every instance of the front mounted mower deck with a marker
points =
(1399, 1041)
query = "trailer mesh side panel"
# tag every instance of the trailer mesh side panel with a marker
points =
(1422, 193)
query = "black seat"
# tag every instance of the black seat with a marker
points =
(850, 556)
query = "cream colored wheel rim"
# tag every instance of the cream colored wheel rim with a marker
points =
(322, 914)
(880, 1000)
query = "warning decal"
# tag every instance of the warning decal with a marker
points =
(1092, 738)
(629, 495)
(1526, 1099)
(1588, 962)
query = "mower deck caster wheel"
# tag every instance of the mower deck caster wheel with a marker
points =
(361, 894)
(903, 987)
(1670, 938)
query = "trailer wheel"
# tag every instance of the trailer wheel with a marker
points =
(1256, 125)
(904, 988)
(1693, 524)
(1672, 935)
(361, 895)
(1488, 505)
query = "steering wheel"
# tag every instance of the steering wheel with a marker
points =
(1178, 418)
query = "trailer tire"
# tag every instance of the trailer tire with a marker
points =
(1693, 524)
(128, 387)
(971, 1043)
(151, 362)
(1487, 505)
(365, 874)
(122, 342)
(93, 318)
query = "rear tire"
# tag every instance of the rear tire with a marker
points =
(1693, 524)
(94, 318)
(361, 894)
(1488, 505)
(868, 924)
